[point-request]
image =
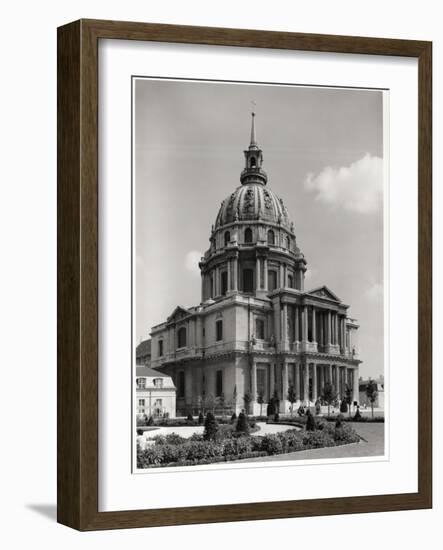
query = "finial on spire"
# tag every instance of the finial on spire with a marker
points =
(253, 138)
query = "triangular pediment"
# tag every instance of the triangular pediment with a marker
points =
(324, 292)
(178, 313)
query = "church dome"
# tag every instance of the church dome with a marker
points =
(253, 202)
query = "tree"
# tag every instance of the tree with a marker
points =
(371, 394)
(247, 398)
(348, 394)
(292, 397)
(329, 395)
(276, 401)
(211, 427)
(261, 400)
(270, 409)
(210, 402)
(234, 398)
(310, 421)
(343, 406)
(242, 424)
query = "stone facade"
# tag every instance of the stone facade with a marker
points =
(256, 330)
(155, 393)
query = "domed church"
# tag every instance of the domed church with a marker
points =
(257, 331)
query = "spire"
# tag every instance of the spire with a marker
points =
(253, 138)
(253, 172)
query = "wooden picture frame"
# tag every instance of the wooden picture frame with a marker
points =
(77, 479)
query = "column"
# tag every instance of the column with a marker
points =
(254, 381)
(336, 328)
(188, 388)
(285, 276)
(330, 374)
(321, 338)
(217, 281)
(314, 382)
(355, 389)
(297, 324)
(282, 282)
(271, 379)
(257, 274)
(297, 381)
(285, 323)
(321, 377)
(203, 287)
(265, 274)
(229, 275)
(285, 385)
(304, 324)
(314, 328)
(306, 383)
(235, 285)
(328, 328)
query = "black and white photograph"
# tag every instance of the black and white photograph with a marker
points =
(258, 269)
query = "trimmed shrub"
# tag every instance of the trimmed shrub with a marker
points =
(139, 432)
(201, 418)
(343, 406)
(233, 417)
(190, 419)
(242, 425)
(174, 439)
(357, 415)
(211, 427)
(310, 421)
(339, 421)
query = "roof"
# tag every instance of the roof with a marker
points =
(147, 371)
(143, 349)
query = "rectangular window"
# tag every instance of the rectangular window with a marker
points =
(248, 280)
(224, 282)
(261, 382)
(141, 402)
(272, 280)
(160, 348)
(181, 384)
(219, 330)
(260, 329)
(219, 383)
(141, 383)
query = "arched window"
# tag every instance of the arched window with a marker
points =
(253, 162)
(227, 238)
(182, 337)
(271, 237)
(248, 235)
(290, 281)
(288, 243)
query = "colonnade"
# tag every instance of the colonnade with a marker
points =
(308, 379)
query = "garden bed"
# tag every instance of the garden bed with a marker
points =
(229, 445)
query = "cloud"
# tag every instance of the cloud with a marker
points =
(375, 292)
(311, 273)
(357, 187)
(192, 259)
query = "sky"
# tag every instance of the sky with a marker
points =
(323, 153)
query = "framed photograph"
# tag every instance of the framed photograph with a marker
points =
(244, 275)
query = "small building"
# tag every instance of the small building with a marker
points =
(155, 393)
(379, 403)
(143, 353)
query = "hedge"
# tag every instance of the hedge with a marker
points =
(196, 451)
